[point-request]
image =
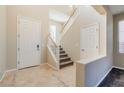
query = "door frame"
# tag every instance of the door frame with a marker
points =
(17, 38)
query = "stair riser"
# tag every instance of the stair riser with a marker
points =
(61, 52)
(61, 56)
(61, 48)
(64, 60)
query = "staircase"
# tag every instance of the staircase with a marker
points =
(58, 57)
(65, 60)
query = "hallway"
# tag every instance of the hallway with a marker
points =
(42, 76)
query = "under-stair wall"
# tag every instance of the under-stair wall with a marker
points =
(52, 53)
(51, 60)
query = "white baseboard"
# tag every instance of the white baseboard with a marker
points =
(7, 71)
(118, 67)
(46, 63)
(3, 76)
(51, 66)
(103, 77)
(43, 63)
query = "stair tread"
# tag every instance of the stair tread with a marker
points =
(67, 62)
(63, 54)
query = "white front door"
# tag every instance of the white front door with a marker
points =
(28, 42)
(89, 40)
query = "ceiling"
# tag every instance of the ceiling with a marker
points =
(116, 9)
(58, 16)
(61, 8)
(60, 13)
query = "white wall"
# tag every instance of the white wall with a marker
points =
(3, 42)
(36, 12)
(71, 40)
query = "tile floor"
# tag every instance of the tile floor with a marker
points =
(41, 76)
(114, 79)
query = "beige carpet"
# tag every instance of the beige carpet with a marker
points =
(41, 76)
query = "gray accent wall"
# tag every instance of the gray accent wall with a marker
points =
(118, 57)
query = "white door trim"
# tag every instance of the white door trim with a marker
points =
(18, 32)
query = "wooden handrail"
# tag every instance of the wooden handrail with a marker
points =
(69, 18)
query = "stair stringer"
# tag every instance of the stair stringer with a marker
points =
(51, 59)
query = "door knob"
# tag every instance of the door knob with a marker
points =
(38, 47)
(97, 47)
(82, 49)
